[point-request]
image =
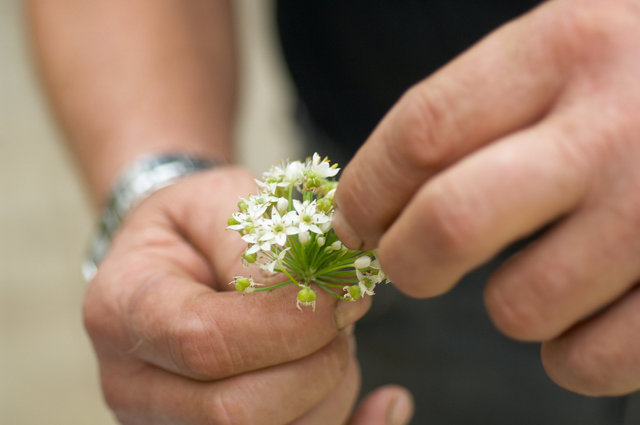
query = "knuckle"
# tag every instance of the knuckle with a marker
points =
(450, 221)
(528, 304)
(588, 32)
(418, 138)
(586, 369)
(513, 317)
(197, 347)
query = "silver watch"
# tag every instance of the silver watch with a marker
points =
(145, 176)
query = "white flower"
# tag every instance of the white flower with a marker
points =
(277, 229)
(275, 174)
(368, 275)
(309, 217)
(268, 188)
(275, 261)
(320, 168)
(241, 220)
(294, 173)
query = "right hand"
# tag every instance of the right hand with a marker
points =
(176, 346)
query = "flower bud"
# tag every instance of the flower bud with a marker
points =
(304, 237)
(242, 283)
(306, 296)
(249, 258)
(324, 204)
(354, 292)
(362, 262)
(232, 222)
(321, 240)
(336, 246)
(243, 206)
(282, 205)
(312, 182)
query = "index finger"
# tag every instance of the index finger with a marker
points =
(186, 327)
(506, 82)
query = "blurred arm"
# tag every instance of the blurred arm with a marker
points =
(132, 77)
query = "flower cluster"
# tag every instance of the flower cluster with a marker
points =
(287, 227)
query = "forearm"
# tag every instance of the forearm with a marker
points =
(132, 77)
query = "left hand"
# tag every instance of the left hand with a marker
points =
(538, 125)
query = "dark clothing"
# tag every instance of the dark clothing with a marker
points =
(350, 61)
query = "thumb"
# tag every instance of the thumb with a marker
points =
(388, 405)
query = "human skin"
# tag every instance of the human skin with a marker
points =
(174, 344)
(534, 129)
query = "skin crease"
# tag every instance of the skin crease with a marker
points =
(535, 127)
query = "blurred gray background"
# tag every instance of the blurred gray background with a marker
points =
(48, 374)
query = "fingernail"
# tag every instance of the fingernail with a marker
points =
(400, 410)
(345, 232)
(348, 312)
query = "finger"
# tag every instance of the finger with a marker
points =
(389, 405)
(578, 267)
(467, 214)
(505, 83)
(275, 395)
(602, 355)
(335, 408)
(187, 328)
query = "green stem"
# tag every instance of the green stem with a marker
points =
(268, 288)
(340, 297)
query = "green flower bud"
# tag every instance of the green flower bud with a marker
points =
(324, 204)
(354, 292)
(307, 295)
(327, 186)
(242, 283)
(312, 182)
(232, 221)
(243, 206)
(250, 258)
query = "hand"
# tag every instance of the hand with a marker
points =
(536, 127)
(175, 345)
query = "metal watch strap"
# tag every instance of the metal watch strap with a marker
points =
(145, 176)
